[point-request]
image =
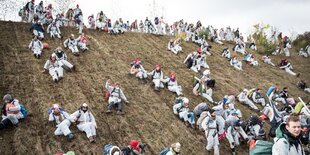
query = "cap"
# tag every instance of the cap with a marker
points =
(134, 144)
(53, 55)
(84, 105)
(185, 100)
(7, 97)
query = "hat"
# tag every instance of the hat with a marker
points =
(7, 97)
(70, 153)
(245, 90)
(53, 55)
(84, 105)
(185, 100)
(55, 106)
(72, 35)
(261, 132)
(157, 65)
(211, 111)
(171, 74)
(134, 144)
(176, 145)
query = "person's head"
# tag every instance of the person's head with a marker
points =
(172, 76)
(212, 113)
(59, 49)
(84, 107)
(53, 57)
(116, 85)
(35, 38)
(7, 98)
(77, 6)
(157, 67)
(32, 1)
(41, 3)
(285, 89)
(72, 36)
(176, 147)
(134, 144)
(185, 102)
(56, 108)
(245, 91)
(258, 90)
(293, 125)
(237, 125)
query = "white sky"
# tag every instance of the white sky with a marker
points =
(287, 15)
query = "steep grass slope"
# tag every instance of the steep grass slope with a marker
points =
(148, 117)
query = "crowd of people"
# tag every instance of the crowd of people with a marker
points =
(217, 122)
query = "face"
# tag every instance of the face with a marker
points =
(294, 128)
(177, 149)
(7, 101)
(84, 108)
(56, 110)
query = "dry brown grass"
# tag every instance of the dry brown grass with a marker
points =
(148, 117)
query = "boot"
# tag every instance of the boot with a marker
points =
(70, 137)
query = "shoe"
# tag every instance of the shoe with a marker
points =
(187, 124)
(73, 68)
(120, 113)
(298, 74)
(108, 111)
(55, 80)
(91, 139)
(70, 136)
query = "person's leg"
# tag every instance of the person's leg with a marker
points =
(66, 63)
(85, 128)
(13, 118)
(64, 127)
(290, 71)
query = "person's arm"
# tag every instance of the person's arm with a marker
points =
(107, 84)
(176, 107)
(66, 43)
(30, 45)
(243, 134)
(41, 45)
(75, 116)
(195, 89)
(16, 107)
(122, 95)
(280, 147)
(51, 117)
(151, 73)
(93, 120)
(229, 135)
(48, 28)
(165, 80)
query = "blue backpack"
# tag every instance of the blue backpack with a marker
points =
(164, 151)
(23, 110)
(270, 90)
(107, 148)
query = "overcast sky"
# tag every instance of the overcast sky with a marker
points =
(287, 15)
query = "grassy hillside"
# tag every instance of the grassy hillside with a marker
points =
(149, 117)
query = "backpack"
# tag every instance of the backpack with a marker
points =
(260, 147)
(107, 148)
(27, 5)
(164, 151)
(51, 110)
(253, 120)
(126, 150)
(250, 93)
(211, 83)
(156, 20)
(23, 110)
(270, 90)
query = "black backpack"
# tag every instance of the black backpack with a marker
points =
(156, 20)
(211, 83)
(253, 120)
(127, 151)
(27, 5)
